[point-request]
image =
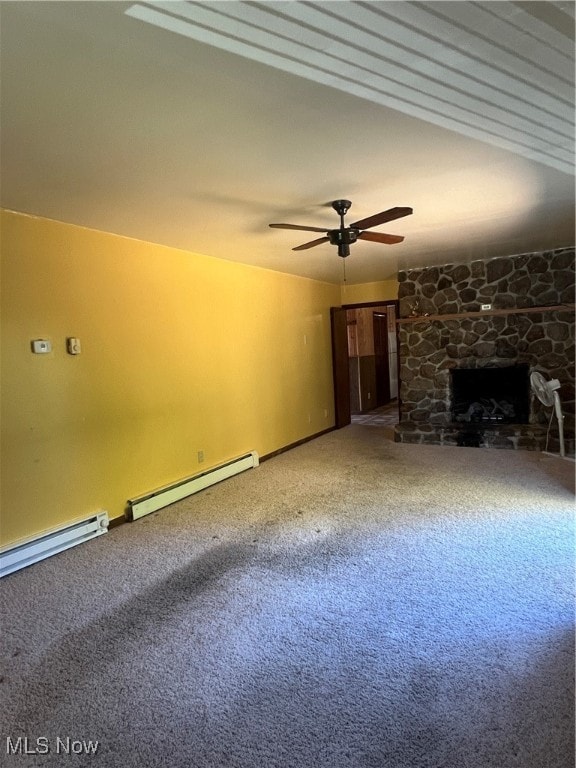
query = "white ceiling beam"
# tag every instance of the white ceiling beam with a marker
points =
(390, 63)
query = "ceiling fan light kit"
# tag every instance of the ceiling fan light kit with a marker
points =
(344, 236)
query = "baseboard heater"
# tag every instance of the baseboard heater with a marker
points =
(40, 547)
(162, 497)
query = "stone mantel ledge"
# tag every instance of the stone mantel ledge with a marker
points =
(487, 313)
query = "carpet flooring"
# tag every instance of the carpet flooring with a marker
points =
(351, 603)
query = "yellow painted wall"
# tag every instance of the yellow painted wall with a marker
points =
(384, 290)
(180, 353)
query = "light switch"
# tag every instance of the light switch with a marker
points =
(73, 345)
(41, 346)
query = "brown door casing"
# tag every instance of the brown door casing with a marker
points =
(381, 358)
(340, 366)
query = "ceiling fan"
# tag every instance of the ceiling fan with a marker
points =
(344, 236)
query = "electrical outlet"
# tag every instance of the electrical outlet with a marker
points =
(200, 457)
(485, 307)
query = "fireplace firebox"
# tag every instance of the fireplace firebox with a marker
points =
(491, 395)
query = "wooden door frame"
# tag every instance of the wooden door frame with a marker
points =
(382, 359)
(340, 365)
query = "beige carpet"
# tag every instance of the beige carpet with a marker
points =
(352, 603)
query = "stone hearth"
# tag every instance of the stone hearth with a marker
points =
(460, 335)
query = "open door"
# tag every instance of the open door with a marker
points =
(340, 366)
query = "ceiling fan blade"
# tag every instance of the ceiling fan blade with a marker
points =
(311, 244)
(381, 218)
(297, 226)
(380, 237)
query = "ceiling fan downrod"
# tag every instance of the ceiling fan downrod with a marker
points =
(344, 236)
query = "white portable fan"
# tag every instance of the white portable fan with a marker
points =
(547, 392)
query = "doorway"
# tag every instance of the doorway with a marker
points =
(365, 364)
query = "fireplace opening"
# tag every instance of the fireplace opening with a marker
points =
(491, 395)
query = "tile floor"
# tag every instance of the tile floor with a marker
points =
(385, 416)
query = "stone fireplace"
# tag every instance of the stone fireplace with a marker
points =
(469, 338)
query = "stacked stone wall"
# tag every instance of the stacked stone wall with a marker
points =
(429, 349)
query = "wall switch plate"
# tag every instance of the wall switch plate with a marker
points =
(41, 346)
(73, 346)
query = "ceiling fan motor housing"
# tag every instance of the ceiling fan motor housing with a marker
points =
(344, 236)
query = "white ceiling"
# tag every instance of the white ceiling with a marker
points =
(195, 124)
